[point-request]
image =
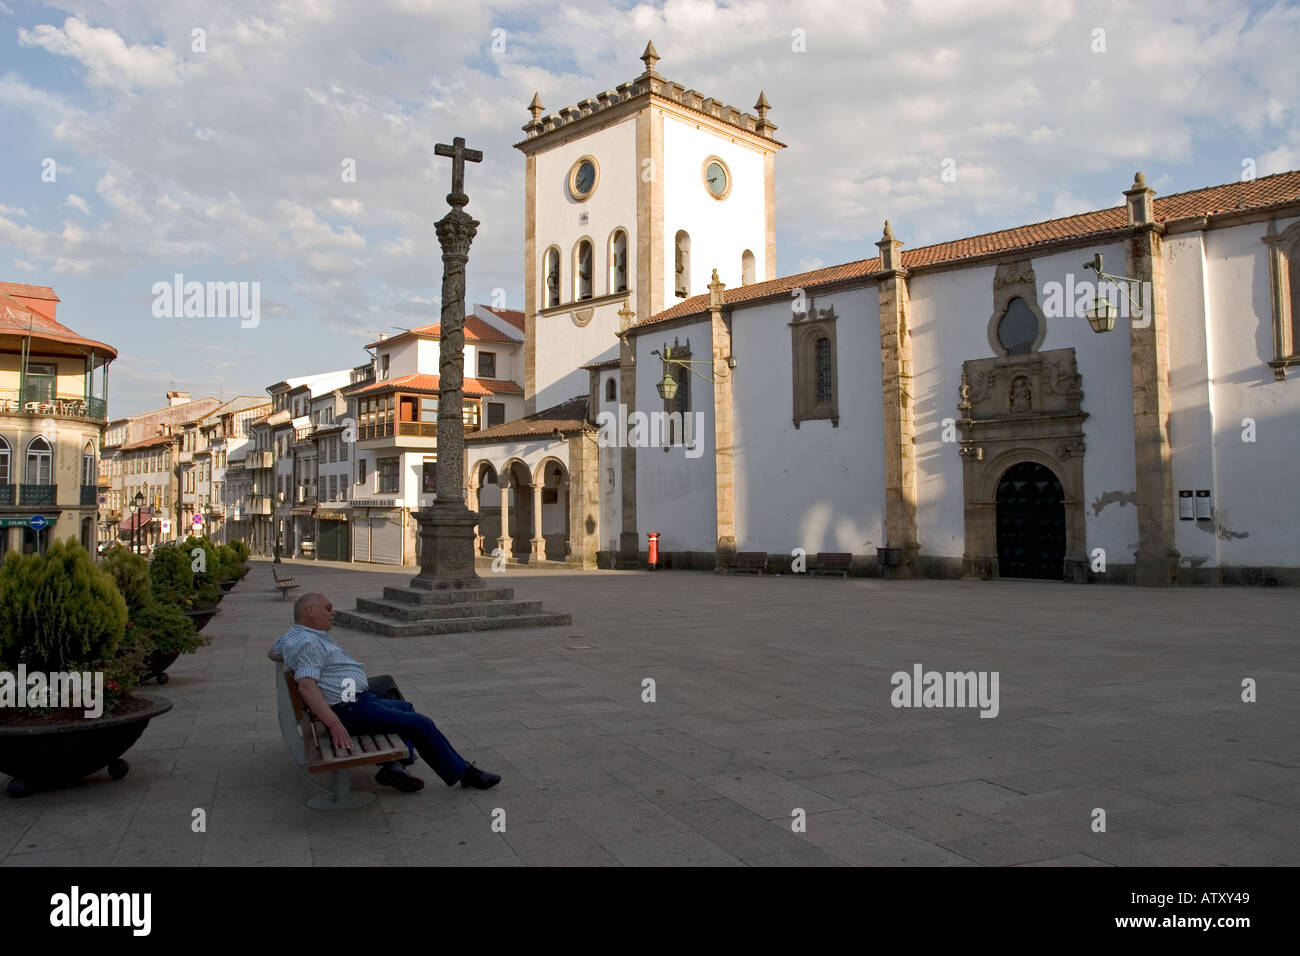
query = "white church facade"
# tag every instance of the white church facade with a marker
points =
(940, 411)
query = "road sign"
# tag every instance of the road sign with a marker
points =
(197, 519)
(166, 526)
(37, 522)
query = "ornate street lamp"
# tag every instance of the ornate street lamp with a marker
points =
(1101, 312)
(668, 385)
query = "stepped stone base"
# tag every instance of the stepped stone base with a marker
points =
(428, 607)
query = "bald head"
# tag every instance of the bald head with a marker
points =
(313, 610)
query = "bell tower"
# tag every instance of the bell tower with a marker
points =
(634, 196)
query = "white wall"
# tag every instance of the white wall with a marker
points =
(817, 487)
(1254, 490)
(720, 230)
(609, 464)
(562, 347)
(676, 495)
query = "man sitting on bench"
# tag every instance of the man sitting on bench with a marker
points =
(322, 670)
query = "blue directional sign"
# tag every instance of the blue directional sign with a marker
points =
(37, 522)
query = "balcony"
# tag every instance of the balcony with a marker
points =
(379, 430)
(36, 400)
(304, 435)
(90, 495)
(259, 505)
(8, 494)
(259, 459)
(38, 494)
(418, 429)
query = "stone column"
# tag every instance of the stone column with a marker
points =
(1157, 557)
(896, 389)
(629, 545)
(539, 543)
(723, 443)
(504, 542)
(471, 499)
(447, 528)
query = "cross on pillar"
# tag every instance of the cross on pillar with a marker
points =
(459, 156)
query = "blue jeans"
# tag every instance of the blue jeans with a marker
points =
(371, 714)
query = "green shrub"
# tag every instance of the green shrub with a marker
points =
(241, 550)
(58, 611)
(167, 628)
(211, 559)
(232, 565)
(207, 594)
(171, 579)
(130, 572)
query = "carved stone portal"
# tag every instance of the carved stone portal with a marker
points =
(1020, 408)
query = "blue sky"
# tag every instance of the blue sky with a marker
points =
(224, 164)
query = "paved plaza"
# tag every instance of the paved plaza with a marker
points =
(772, 696)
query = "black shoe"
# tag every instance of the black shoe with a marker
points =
(479, 779)
(398, 780)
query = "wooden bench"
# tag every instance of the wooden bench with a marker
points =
(833, 562)
(285, 583)
(750, 562)
(312, 748)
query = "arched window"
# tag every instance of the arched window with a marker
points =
(4, 462)
(582, 269)
(825, 371)
(683, 264)
(551, 277)
(746, 268)
(611, 389)
(618, 261)
(1018, 328)
(40, 463)
(88, 464)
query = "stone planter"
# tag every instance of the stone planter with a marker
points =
(228, 584)
(56, 755)
(158, 663)
(201, 618)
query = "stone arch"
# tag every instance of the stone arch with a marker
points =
(1011, 281)
(482, 496)
(551, 517)
(515, 481)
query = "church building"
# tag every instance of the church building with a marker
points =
(1110, 396)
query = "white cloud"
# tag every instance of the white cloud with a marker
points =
(108, 59)
(76, 202)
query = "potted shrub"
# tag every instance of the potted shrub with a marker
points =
(60, 615)
(172, 582)
(232, 566)
(157, 633)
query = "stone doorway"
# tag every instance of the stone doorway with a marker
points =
(1031, 523)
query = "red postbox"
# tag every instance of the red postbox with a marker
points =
(654, 548)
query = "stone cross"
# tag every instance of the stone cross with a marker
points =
(447, 528)
(459, 155)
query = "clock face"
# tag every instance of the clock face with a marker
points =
(715, 177)
(584, 179)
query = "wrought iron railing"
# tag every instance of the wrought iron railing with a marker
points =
(38, 494)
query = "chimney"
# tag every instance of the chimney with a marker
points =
(177, 398)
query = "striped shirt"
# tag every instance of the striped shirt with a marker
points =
(312, 653)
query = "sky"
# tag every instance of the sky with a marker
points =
(143, 139)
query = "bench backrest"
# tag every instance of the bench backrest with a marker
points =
(834, 559)
(292, 713)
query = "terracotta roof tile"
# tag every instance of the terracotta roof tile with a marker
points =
(473, 388)
(1213, 200)
(476, 330)
(18, 319)
(512, 316)
(569, 417)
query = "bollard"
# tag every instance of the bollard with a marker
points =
(654, 549)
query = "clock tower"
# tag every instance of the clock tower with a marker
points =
(632, 198)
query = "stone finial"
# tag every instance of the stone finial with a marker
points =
(764, 126)
(650, 57)
(1141, 202)
(891, 257)
(536, 107)
(715, 291)
(625, 317)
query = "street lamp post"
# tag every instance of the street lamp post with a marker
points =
(138, 501)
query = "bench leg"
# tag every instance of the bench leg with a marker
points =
(341, 795)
